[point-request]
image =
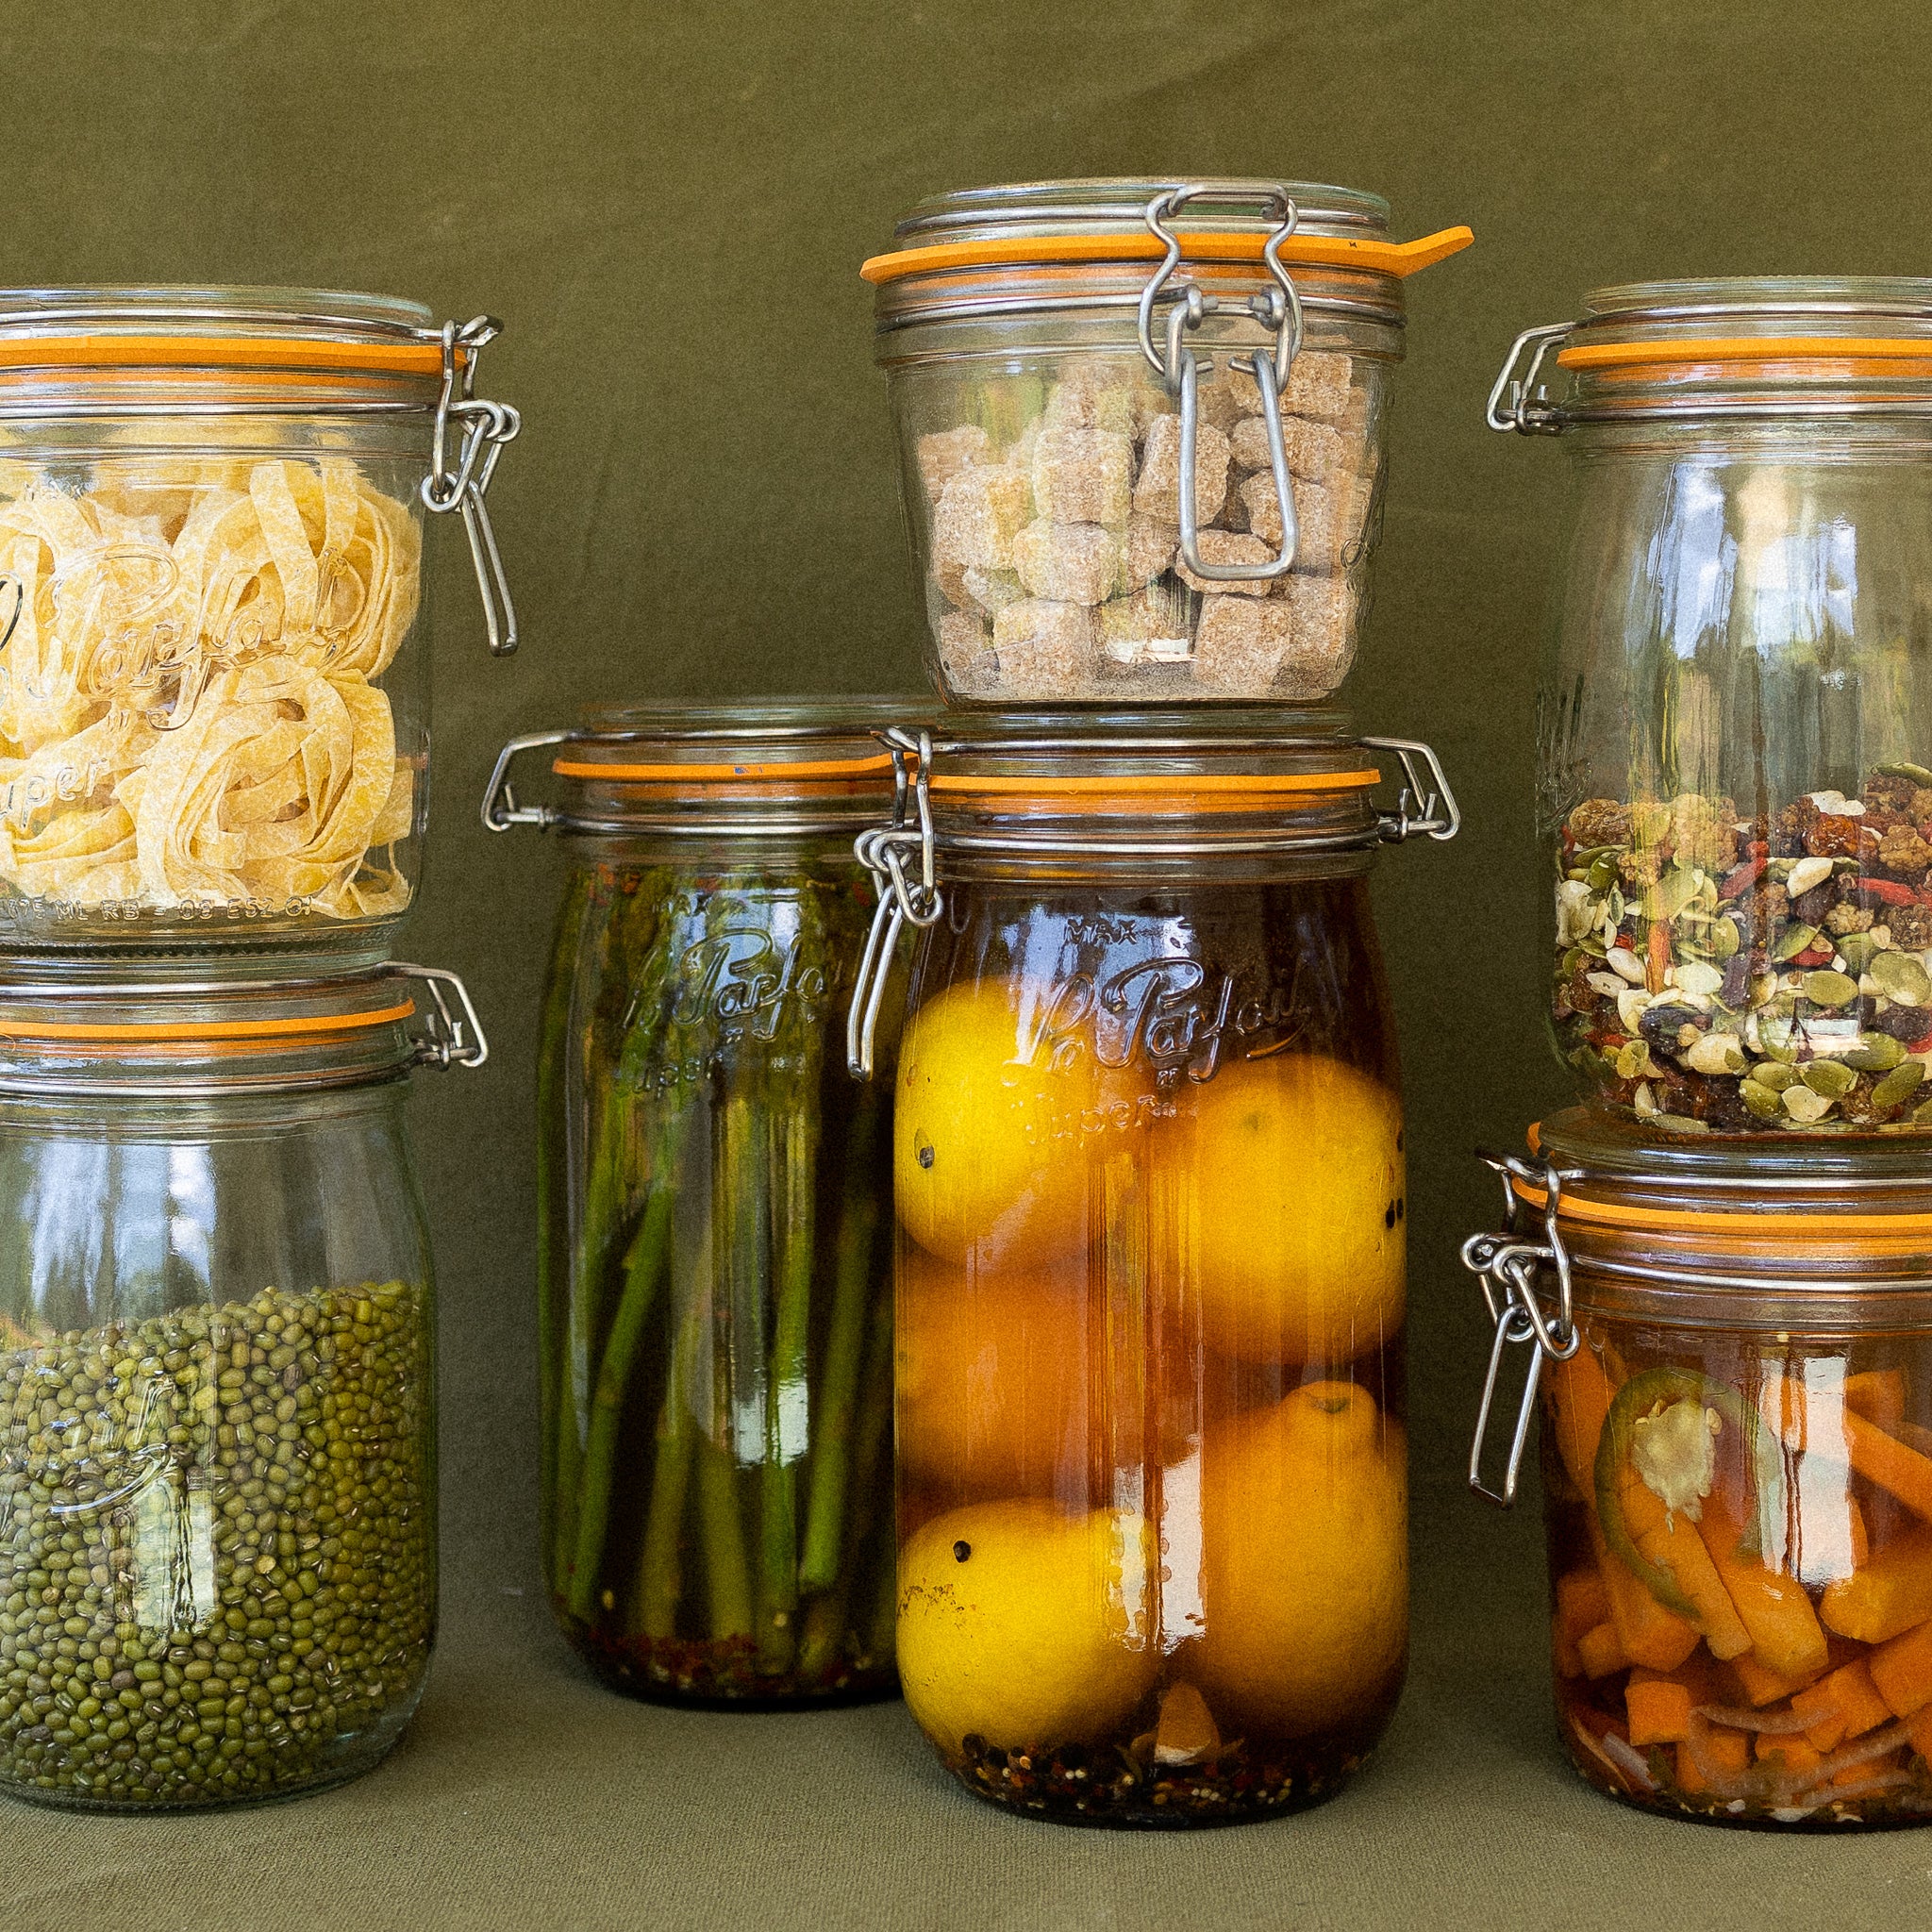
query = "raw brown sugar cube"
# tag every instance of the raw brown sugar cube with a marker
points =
(1240, 643)
(1068, 563)
(1228, 546)
(1313, 449)
(979, 514)
(1219, 403)
(1157, 491)
(1317, 386)
(1321, 640)
(1019, 455)
(991, 589)
(1084, 475)
(1092, 397)
(1148, 552)
(943, 454)
(963, 640)
(1150, 628)
(1319, 534)
(1046, 648)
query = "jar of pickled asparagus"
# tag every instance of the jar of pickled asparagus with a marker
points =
(214, 675)
(1141, 427)
(1148, 1185)
(714, 1240)
(1736, 718)
(217, 1386)
(1732, 1357)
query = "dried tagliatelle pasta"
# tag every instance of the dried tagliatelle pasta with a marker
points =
(188, 715)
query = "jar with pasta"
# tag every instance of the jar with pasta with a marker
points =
(213, 667)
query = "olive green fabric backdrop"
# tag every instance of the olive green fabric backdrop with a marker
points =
(668, 204)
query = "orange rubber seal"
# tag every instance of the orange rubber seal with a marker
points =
(780, 769)
(221, 352)
(1768, 1223)
(1325, 251)
(1259, 785)
(301, 1027)
(1746, 349)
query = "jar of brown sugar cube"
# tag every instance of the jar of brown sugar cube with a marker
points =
(1141, 427)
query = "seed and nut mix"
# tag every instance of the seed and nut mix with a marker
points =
(1055, 568)
(1720, 973)
(215, 1546)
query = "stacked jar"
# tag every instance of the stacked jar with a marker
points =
(217, 1498)
(1719, 1252)
(1148, 1172)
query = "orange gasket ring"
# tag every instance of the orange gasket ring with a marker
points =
(1745, 349)
(693, 774)
(220, 352)
(1329, 251)
(1259, 785)
(1766, 1224)
(189, 1031)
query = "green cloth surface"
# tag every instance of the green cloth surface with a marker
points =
(668, 205)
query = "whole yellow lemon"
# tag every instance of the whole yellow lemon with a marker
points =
(1298, 1239)
(1025, 1625)
(991, 1382)
(1304, 1563)
(987, 1161)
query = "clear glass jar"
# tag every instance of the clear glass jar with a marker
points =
(1148, 1175)
(214, 684)
(715, 1247)
(1735, 726)
(217, 1389)
(1045, 404)
(1736, 1458)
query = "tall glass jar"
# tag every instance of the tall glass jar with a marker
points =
(217, 1387)
(1062, 353)
(1148, 1180)
(1735, 713)
(214, 729)
(1736, 1397)
(714, 1258)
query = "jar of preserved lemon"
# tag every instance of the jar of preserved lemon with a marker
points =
(1148, 1181)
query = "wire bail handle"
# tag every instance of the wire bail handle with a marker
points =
(486, 427)
(1278, 308)
(500, 807)
(1425, 808)
(1520, 403)
(1507, 1267)
(902, 902)
(455, 1037)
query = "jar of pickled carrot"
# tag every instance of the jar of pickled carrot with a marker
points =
(1733, 1363)
(1148, 1185)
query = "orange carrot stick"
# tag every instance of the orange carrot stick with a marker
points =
(1885, 1461)
(1580, 1395)
(1891, 1594)
(1649, 1633)
(1762, 1686)
(1729, 1750)
(1878, 1396)
(1602, 1652)
(1783, 1627)
(1659, 1709)
(1672, 1542)
(1902, 1672)
(1845, 1705)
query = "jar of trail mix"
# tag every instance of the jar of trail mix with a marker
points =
(1731, 1351)
(214, 674)
(1148, 1184)
(1141, 427)
(217, 1386)
(1735, 715)
(714, 1258)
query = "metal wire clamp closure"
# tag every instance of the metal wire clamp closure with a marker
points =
(1520, 403)
(486, 427)
(1426, 807)
(1507, 1267)
(902, 902)
(500, 807)
(455, 1037)
(1279, 308)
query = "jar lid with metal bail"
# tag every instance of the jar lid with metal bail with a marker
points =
(125, 355)
(214, 1039)
(1156, 795)
(1747, 346)
(773, 768)
(1703, 1232)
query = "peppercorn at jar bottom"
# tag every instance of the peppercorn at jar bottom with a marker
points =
(216, 1579)
(1741, 1573)
(1716, 971)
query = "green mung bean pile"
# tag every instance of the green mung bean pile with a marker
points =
(217, 1574)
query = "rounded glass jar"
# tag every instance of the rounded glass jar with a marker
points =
(1148, 1178)
(1735, 711)
(715, 1247)
(1737, 1460)
(214, 681)
(1056, 351)
(217, 1391)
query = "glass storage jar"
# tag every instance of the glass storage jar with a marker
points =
(213, 676)
(1736, 1461)
(1148, 1175)
(714, 1245)
(217, 1387)
(1060, 353)
(1735, 712)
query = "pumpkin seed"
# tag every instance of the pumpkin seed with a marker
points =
(1715, 1053)
(1774, 1075)
(1601, 874)
(1900, 977)
(1633, 1061)
(1857, 949)
(1663, 901)
(1805, 1106)
(1762, 1101)
(1697, 976)
(1681, 1123)
(1832, 1078)
(1827, 988)
(1899, 1084)
(1794, 940)
(1724, 938)
(1876, 1053)
(1922, 1114)
(1917, 774)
